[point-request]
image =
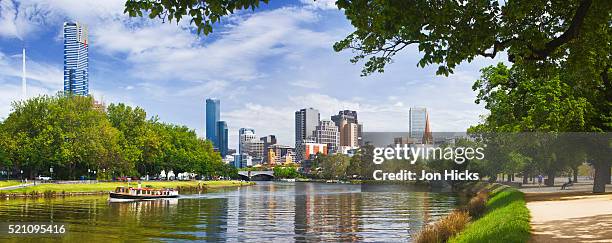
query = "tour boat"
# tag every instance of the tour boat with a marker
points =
(142, 193)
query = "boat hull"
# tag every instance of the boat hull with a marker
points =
(130, 196)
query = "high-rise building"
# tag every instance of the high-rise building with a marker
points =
(306, 121)
(213, 115)
(244, 135)
(255, 148)
(222, 138)
(327, 133)
(419, 124)
(349, 128)
(267, 141)
(76, 60)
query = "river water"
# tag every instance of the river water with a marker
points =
(268, 211)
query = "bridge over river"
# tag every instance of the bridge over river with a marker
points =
(264, 175)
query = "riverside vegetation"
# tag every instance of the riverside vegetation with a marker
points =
(53, 189)
(76, 136)
(496, 213)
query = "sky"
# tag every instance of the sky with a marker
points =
(263, 65)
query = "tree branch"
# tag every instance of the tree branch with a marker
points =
(569, 34)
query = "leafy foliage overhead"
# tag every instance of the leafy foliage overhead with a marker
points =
(203, 13)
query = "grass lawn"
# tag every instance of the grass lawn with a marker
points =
(109, 186)
(506, 220)
(9, 183)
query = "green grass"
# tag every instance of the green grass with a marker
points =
(109, 186)
(506, 219)
(9, 183)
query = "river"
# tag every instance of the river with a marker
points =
(268, 211)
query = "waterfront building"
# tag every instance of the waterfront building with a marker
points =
(213, 115)
(306, 121)
(76, 59)
(349, 128)
(327, 133)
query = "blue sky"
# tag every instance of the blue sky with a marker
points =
(262, 65)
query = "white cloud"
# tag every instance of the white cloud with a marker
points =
(320, 4)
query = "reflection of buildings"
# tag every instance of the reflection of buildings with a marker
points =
(321, 217)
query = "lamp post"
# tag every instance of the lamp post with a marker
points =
(21, 172)
(88, 174)
(95, 177)
(51, 171)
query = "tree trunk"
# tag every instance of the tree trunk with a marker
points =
(599, 183)
(525, 178)
(575, 174)
(551, 178)
(606, 169)
(509, 177)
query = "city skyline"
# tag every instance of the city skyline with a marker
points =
(145, 63)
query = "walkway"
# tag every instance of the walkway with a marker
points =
(572, 219)
(16, 186)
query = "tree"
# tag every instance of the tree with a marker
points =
(203, 13)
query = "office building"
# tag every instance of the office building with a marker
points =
(349, 128)
(327, 133)
(76, 59)
(306, 121)
(417, 121)
(267, 141)
(213, 115)
(245, 134)
(222, 138)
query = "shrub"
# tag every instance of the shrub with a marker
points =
(444, 229)
(478, 204)
(427, 234)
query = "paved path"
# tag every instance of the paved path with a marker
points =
(16, 186)
(572, 219)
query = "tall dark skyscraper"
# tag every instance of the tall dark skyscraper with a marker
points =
(216, 130)
(213, 115)
(306, 121)
(222, 137)
(76, 60)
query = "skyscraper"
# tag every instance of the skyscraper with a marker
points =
(76, 67)
(349, 128)
(306, 121)
(213, 115)
(222, 138)
(418, 123)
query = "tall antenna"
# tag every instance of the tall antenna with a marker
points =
(24, 91)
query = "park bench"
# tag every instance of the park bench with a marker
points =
(566, 185)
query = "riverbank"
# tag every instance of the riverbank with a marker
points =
(506, 218)
(60, 189)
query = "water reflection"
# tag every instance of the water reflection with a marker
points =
(269, 211)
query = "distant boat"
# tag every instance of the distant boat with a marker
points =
(142, 193)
